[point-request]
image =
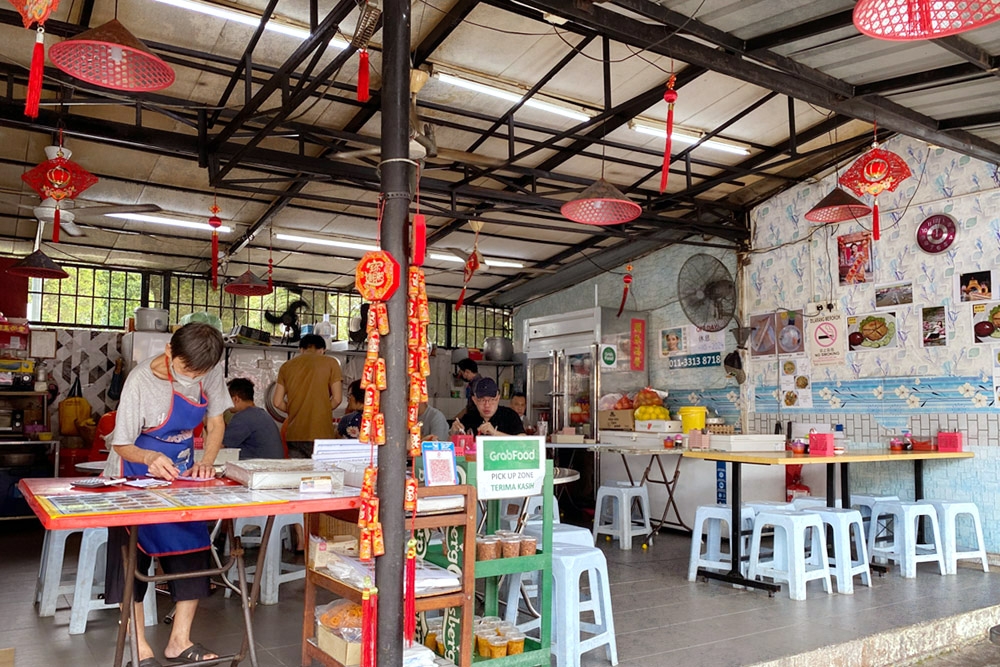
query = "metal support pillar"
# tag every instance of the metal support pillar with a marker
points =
(396, 172)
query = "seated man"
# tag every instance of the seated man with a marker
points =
(488, 417)
(251, 430)
(433, 424)
(519, 404)
(350, 424)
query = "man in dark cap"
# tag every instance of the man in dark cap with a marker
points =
(489, 417)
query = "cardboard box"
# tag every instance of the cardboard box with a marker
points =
(657, 426)
(616, 420)
(566, 439)
(345, 652)
(749, 443)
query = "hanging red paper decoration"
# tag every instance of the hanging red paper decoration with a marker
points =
(909, 20)
(364, 76)
(874, 172)
(215, 222)
(418, 242)
(58, 178)
(669, 96)
(270, 258)
(627, 280)
(369, 624)
(35, 11)
(472, 264)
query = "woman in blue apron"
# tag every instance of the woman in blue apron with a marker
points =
(164, 448)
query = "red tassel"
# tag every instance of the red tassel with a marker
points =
(215, 260)
(876, 231)
(669, 96)
(35, 76)
(627, 279)
(410, 593)
(363, 76)
(55, 225)
(369, 624)
(461, 300)
(419, 239)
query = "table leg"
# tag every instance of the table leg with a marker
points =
(918, 494)
(671, 485)
(831, 486)
(845, 485)
(734, 576)
(628, 471)
(125, 625)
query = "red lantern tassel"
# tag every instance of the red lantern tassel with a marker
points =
(669, 96)
(410, 593)
(35, 76)
(627, 279)
(55, 225)
(363, 76)
(215, 260)
(876, 231)
(419, 239)
(369, 624)
(461, 300)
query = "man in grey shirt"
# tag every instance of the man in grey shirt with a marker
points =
(251, 430)
(434, 423)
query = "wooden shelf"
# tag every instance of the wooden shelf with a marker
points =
(464, 598)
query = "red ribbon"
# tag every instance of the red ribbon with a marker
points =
(56, 225)
(669, 96)
(215, 260)
(410, 593)
(35, 75)
(363, 76)
(419, 239)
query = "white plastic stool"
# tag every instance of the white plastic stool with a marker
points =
(759, 506)
(275, 572)
(904, 548)
(810, 502)
(568, 564)
(789, 563)
(844, 568)
(562, 534)
(513, 511)
(865, 503)
(948, 512)
(621, 527)
(88, 589)
(90, 568)
(709, 519)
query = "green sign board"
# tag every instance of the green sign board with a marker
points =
(509, 467)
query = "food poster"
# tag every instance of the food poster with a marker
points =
(826, 338)
(854, 258)
(795, 381)
(986, 322)
(893, 294)
(763, 339)
(788, 325)
(975, 286)
(933, 327)
(872, 332)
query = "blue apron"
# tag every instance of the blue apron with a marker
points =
(174, 439)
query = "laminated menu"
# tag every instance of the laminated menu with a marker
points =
(282, 473)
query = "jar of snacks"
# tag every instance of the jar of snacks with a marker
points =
(515, 643)
(529, 545)
(510, 546)
(498, 646)
(487, 548)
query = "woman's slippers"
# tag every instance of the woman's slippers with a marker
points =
(193, 653)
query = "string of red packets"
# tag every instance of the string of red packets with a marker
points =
(417, 368)
(376, 279)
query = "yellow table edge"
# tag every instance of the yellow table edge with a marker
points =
(788, 458)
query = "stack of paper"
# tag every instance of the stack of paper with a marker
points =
(281, 473)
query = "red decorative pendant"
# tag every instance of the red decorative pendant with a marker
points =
(377, 276)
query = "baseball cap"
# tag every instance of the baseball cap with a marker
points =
(486, 388)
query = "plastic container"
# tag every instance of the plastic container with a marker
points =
(487, 548)
(325, 329)
(498, 647)
(483, 638)
(151, 319)
(692, 417)
(515, 643)
(510, 546)
(529, 545)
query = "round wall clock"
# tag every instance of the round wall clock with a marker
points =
(936, 233)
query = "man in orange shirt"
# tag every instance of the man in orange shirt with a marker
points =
(309, 389)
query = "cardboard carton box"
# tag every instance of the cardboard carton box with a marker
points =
(616, 420)
(345, 652)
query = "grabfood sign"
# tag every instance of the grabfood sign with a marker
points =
(509, 467)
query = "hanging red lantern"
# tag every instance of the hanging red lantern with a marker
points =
(669, 96)
(58, 178)
(215, 222)
(35, 11)
(874, 172)
(910, 20)
(627, 280)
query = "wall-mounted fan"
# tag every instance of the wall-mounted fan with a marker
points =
(706, 292)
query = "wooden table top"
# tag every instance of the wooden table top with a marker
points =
(790, 458)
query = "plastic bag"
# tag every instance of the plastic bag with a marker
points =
(342, 617)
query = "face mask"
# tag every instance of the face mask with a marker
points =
(184, 380)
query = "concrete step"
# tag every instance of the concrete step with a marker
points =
(921, 644)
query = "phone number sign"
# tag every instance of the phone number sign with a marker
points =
(695, 360)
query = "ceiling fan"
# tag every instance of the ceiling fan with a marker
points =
(69, 212)
(423, 145)
(492, 268)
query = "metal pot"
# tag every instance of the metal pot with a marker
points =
(498, 348)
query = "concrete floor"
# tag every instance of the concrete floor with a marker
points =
(661, 619)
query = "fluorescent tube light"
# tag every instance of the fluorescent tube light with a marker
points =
(246, 19)
(333, 243)
(565, 112)
(497, 263)
(687, 138)
(173, 222)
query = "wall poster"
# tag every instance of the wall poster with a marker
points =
(854, 258)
